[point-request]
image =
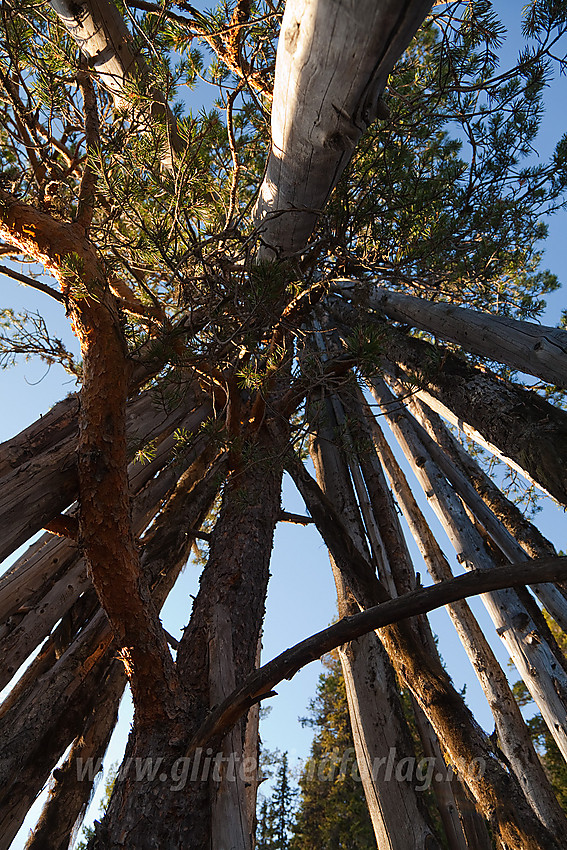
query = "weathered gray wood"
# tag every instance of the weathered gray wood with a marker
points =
(98, 29)
(41, 720)
(38, 616)
(333, 61)
(399, 567)
(376, 717)
(40, 489)
(513, 736)
(70, 793)
(549, 595)
(57, 424)
(521, 427)
(539, 668)
(453, 722)
(525, 532)
(523, 346)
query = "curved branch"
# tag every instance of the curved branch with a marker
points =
(260, 684)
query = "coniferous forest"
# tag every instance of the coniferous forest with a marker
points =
(330, 271)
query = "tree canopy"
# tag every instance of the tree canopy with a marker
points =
(351, 225)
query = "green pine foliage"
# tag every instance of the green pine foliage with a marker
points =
(276, 814)
(332, 811)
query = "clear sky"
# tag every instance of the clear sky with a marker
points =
(301, 595)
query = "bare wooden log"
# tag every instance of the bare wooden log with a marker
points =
(452, 721)
(71, 788)
(551, 597)
(31, 576)
(523, 346)
(398, 564)
(316, 119)
(522, 428)
(40, 615)
(49, 430)
(539, 668)
(502, 805)
(43, 487)
(100, 32)
(57, 689)
(45, 722)
(377, 720)
(513, 735)
(525, 532)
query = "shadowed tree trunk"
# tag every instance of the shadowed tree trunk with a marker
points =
(377, 720)
(166, 242)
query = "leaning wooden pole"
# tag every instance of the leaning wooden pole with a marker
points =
(497, 792)
(513, 735)
(376, 716)
(536, 663)
(317, 120)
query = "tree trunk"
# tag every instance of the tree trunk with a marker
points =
(513, 736)
(539, 668)
(516, 424)
(523, 346)
(497, 792)
(378, 726)
(317, 120)
(218, 647)
(401, 569)
(48, 706)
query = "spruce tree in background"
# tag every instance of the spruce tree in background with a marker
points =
(332, 813)
(276, 814)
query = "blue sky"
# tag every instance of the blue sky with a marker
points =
(301, 595)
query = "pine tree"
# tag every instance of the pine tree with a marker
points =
(276, 814)
(224, 276)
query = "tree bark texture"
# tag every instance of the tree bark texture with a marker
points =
(219, 647)
(523, 346)
(317, 120)
(60, 686)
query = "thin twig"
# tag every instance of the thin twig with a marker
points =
(35, 284)
(232, 145)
